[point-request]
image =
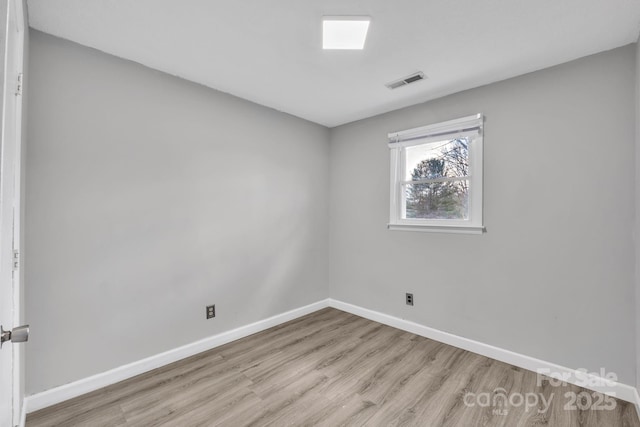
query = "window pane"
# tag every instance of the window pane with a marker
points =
(437, 160)
(437, 200)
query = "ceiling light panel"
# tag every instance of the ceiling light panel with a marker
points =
(344, 32)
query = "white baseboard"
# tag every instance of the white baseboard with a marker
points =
(68, 391)
(573, 376)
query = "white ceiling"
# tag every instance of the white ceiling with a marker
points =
(270, 52)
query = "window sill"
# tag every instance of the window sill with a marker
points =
(456, 229)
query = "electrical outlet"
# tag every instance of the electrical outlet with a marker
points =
(409, 299)
(211, 311)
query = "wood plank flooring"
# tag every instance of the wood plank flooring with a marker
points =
(332, 368)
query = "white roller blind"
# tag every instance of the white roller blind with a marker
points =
(459, 128)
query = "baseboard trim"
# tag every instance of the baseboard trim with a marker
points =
(68, 391)
(621, 391)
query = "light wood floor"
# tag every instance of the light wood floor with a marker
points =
(329, 368)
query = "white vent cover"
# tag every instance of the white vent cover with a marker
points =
(415, 77)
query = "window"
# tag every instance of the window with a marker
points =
(436, 177)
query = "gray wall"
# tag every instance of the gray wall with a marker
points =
(149, 197)
(553, 276)
(637, 224)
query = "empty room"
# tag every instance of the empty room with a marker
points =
(320, 213)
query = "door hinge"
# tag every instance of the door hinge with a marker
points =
(19, 86)
(16, 259)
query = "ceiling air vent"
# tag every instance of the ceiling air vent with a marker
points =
(416, 77)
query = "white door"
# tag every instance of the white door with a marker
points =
(11, 394)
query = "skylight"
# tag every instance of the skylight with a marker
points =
(344, 32)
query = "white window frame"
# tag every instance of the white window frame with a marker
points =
(470, 127)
